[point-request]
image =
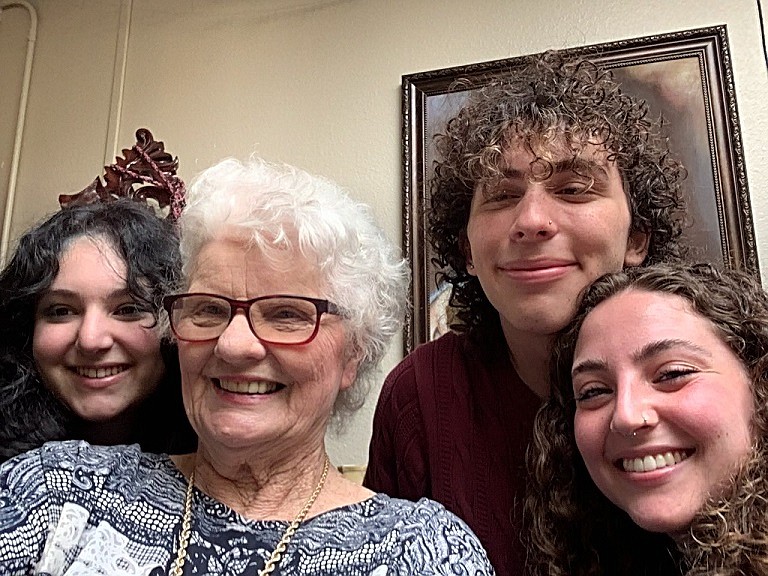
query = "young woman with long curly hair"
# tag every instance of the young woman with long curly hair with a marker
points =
(650, 455)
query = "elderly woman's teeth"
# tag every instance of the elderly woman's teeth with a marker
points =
(240, 387)
(652, 462)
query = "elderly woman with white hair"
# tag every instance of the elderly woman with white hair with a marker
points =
(291, 296)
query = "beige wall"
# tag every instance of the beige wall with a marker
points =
(313, 83)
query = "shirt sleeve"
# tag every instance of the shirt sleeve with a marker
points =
(24, 516)
(441, 544)
(398, 461)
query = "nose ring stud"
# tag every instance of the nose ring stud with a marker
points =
(550, 222)
(645, 419)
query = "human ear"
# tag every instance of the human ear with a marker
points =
(349, 371)
(467, 250)
(637, 248)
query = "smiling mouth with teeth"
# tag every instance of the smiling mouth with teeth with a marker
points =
(251, 387)
(654, 461)
(99, 372)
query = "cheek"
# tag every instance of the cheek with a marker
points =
(487, 229)
(589, 435)
(312, 369)
(145, 342)
(710, 412)
(50, 342)
(192, 358)
(324, 365)
(607, 231)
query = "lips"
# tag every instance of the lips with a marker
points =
(536, 264)
(537, 270)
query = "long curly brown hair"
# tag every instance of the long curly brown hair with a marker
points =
(548, 100)
(574, 529)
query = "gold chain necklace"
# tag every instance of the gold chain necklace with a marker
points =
(277, 553)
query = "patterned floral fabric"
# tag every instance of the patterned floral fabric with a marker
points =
(73, 509)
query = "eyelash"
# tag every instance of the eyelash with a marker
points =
(675, 373)
(502, 194)
(57, 311)
(591, 393)
(127, 310)
(130, 309)
(573, 190)
(668, 375)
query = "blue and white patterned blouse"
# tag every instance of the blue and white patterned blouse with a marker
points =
(73, 509)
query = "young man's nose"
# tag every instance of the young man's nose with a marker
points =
(533, 217)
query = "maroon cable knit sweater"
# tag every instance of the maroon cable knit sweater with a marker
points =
(452, 424)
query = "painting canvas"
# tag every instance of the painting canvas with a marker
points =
(683, 76)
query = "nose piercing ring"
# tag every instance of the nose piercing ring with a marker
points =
(611, 428)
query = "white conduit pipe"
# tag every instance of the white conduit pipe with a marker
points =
(11, 197)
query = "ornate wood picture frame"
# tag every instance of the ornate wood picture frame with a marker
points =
(685, 76)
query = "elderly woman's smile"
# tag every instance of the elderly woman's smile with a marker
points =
(247, 386)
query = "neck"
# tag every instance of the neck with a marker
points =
(258, 488)
(530, 354)
(117, 430)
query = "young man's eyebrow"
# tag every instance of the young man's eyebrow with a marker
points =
(575, 165)
(579, 166)
(513, 174)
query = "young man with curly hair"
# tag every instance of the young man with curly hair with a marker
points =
(547, 178)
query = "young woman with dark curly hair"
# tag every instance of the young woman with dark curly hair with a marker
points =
(81, 354)
(650, 455)
(547, 179)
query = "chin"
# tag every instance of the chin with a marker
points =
(662, 524)
(101, 413)
(100, 417)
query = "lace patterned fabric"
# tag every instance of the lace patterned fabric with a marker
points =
(70, 509)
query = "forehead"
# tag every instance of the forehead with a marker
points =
(92, 256)
(235, 259)
(651, 315)
(545, 158)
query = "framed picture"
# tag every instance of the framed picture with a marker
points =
(684, 76)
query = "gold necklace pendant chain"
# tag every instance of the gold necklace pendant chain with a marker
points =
(274, 559)
(186, 525)
(277, 553)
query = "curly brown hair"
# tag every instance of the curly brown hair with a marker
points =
(548, 100)
(574, 529)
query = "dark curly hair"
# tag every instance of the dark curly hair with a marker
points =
(548, 100)
(574, 529)
(29, 413)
